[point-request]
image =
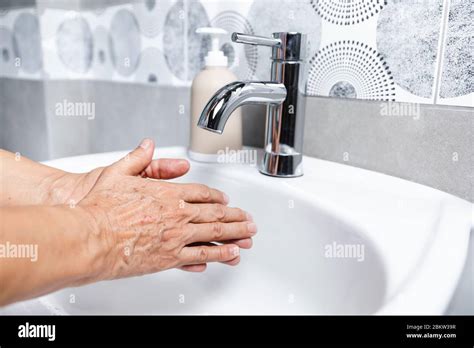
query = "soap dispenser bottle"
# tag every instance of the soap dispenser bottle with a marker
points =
(205, 146)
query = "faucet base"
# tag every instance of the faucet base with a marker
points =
(282, 165)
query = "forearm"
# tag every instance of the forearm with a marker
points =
(25, 182)
(68, 245)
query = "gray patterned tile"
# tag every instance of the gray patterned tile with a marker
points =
(7, 53)
(242, 59)
(350, 69)
(458, 73)
(184, 50)
(343, 12)
(27, 42)
(150, 16)
(268, 16)
(24, 127)
(75, 44)
(343, 89)
(419, 150)
(407, 37)
(102, 62)
(151, 66)
(125, 43)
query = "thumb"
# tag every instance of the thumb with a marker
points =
(137, 160)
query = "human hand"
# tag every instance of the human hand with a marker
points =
(148, 226)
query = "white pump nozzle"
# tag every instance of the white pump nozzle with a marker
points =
(215, 57)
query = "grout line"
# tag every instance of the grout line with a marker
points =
(441, 50)
(49, 128)
(185, 40)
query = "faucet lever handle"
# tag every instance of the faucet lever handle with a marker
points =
(287, 46)
(256, 40)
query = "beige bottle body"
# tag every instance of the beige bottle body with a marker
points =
(205, 145)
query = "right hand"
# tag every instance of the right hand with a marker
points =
(147, 226)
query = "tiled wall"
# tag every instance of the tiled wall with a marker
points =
(403, 50)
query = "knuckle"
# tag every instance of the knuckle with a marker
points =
(217, 230)
(223, 254)
(167, 235)
(173, 239)
(205, 192)
(195, 211)
(220, 212)
(203, 255)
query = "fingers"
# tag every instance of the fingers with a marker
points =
(219, 231)
(195, 255)
(197, 193)
(245, 243)
(242, 243)
(137, 160)
(233, 262)
(202, 267)
(217, 212)
(166, 168)
(194, 268)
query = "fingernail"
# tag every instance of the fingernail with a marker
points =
(235, 251)
(249, 217)
(226, 198)
(252, 228)
(145, 143)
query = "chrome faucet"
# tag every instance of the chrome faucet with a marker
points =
(283, 95)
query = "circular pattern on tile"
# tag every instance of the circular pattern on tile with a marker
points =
(343, 89)
(185, 64)
(102, 63)
(3, 12)
(151, 69)
(350, 68)
(75, 44)
(242, 58)
(458, 76)
(99, 11)
(125, 43)
(267, 17)
(347, 12)
(27, 42)
(7, 53)
(407, 38)
(150, 16)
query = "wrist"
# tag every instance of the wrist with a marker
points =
(70, 188)
(95, 243)
(56, 188)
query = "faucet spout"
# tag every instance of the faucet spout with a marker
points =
(219, 108)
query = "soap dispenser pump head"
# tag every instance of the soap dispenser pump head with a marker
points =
(215, 57)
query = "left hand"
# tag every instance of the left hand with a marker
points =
(71, 188)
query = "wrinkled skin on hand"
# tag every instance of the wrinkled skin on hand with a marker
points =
(148, 225)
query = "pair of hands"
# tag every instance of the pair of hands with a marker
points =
(145, 226)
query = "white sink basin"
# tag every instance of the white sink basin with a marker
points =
(414, 241)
